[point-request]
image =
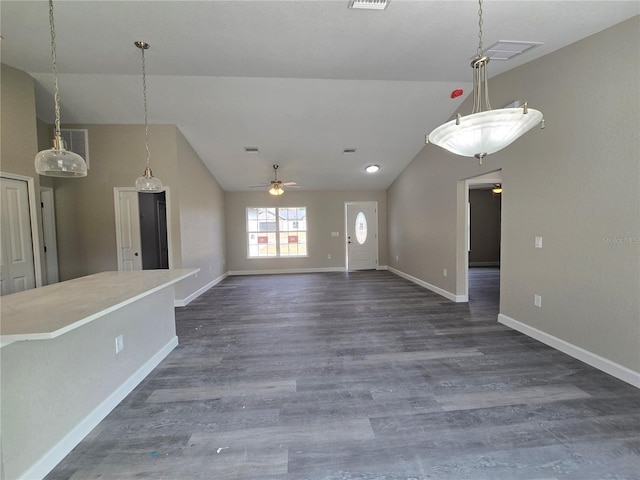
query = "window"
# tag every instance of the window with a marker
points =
(276, 232)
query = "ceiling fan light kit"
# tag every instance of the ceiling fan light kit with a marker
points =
(58, 161)
(484, 131)
(276, 190)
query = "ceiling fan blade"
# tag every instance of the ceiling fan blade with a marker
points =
(289, 184)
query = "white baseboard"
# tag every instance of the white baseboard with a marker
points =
(451, 296)
(186, 301)
(286, 270)
(54, 456)
(619, 371)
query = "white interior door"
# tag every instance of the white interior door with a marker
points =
(362, 235)
(49, 236)
(17, 267)
(128, 229)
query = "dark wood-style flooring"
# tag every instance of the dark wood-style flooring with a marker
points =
(361, 376)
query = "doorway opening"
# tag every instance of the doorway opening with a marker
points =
(479, 254)
(153, 230)
(142, 229)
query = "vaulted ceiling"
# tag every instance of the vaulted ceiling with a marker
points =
(300, 80)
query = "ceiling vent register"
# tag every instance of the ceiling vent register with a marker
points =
(369, 4)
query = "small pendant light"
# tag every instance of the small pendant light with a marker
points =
(58, 161)
(147, 182)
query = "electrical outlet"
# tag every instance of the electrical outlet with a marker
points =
(119, 343)
(444, 272)
(537, 301)
(329, 257)
(397, 258)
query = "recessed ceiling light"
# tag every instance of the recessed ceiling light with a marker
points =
(507, 49)
(372, 169)
(251, 150)
(369, 4)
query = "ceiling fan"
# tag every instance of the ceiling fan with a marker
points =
(275, 186)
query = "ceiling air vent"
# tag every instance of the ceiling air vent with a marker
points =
(77, 141)
(251, 150)
(349, 151)
(507, 49)
(369, 4)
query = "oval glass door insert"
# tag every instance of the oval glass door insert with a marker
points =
(361, 228)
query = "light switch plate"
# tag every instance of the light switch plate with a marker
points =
(538, 242)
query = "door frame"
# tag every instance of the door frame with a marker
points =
(116, 204)
(34, 208)
(48, 215)
(346, 231)
(463, 230)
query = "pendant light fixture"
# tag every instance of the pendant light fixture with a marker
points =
(58, 161)
(147, 182)
(484, 131)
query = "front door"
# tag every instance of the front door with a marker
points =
(17, 270)
(362, 235)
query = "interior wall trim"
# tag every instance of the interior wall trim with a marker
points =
(54, 456)
(451, 296)
(186, 301)
(612, 368)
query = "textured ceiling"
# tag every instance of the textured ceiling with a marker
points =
(300, 80)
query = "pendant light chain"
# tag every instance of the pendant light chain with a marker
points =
(58, 161)
(147, 182)
(56, 94)
(144, 95)
(480, 52)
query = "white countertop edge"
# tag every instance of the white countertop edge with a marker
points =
(12, 338)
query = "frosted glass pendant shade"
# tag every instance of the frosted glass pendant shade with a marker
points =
(276, 190)
(481, 134)
(59, 162)
(147, 183)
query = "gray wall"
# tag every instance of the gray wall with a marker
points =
(202, 227)
(484, 228)
(574, 183)
(325, 212)
(18, 129)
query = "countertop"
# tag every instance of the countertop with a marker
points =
(50, 311)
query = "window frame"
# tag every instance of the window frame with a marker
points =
(275, 234)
